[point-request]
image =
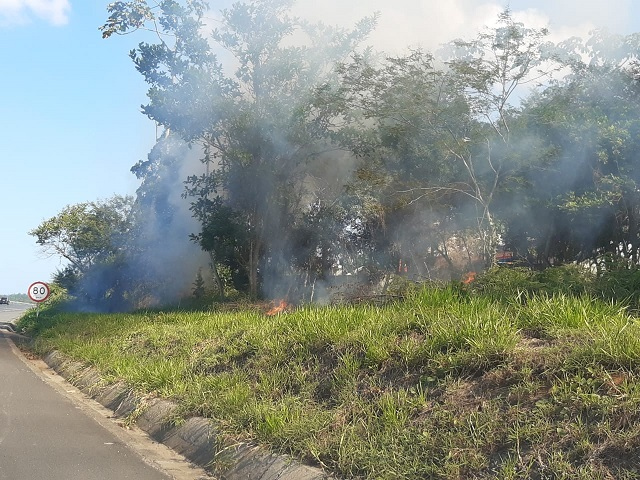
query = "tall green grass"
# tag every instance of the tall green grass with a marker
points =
(452, 382)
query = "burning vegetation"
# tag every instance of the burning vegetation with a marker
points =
(272, 185)
(278, 307)
(468, 277)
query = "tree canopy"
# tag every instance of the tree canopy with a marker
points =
(86, 233)
(321, 158)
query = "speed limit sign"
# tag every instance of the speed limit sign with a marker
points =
(38, 291)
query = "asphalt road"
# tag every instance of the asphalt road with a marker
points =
(48, 429)
(13, 311)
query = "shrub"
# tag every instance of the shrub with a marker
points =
(505, 282)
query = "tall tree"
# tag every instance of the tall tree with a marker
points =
(253, 123)
(406, 181)
(584, 187)
(489, 72)
(436, 143)
(92, 237)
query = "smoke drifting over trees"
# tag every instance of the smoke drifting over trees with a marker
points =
(298, 156)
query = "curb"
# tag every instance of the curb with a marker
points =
(196, 438)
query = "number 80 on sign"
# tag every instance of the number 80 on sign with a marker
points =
(38, 291)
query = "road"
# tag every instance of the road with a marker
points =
(13, 311)
(48, 429)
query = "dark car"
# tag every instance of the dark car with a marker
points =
(4, 300)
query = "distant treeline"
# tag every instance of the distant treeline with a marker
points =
(18, 297)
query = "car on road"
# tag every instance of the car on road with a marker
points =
(4, 300)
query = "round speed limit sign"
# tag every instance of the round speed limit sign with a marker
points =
(38, 291)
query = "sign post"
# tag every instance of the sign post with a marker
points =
(38, 292)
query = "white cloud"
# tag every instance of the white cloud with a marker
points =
(22, 11)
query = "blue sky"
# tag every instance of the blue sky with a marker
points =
(71, 126)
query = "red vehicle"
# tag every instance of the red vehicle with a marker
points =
(505, 258)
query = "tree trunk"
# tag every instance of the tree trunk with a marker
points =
(254, 260)
(216, 275)
(633, 232)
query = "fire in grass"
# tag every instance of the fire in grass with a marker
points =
(468, 277)
(278, 307)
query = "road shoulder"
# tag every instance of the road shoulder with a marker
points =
(151, 452)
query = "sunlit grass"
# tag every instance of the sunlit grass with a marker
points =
(443, 385)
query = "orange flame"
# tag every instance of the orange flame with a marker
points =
(468, 277)
(278, 308)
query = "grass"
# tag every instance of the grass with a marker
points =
(451, 383)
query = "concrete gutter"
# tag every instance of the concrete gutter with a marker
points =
(196, 438)
(8, 326)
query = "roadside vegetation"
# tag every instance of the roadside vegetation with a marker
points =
(519, 374)
(328, 158)
(322, 161)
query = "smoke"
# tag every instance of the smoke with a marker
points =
(154, 263)
(165, 223)
(430, 23)
(297, 218)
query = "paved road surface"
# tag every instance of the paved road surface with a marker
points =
(13, 311)
(49, 430)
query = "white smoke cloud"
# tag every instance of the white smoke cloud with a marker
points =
(430, 23)
(54, 12)
(405, 23)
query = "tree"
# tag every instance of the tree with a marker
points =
(199, 289)
(408, 194)
(488, 72)
(93, 237)
(435, 144)
(223, 236)
(86, 233)
(442, 156)
(584, 187)
(254, 126)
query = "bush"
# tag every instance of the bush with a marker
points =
(619, 285)
(504, 282)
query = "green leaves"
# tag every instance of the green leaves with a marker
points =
(318, 152)
(86, 232)
(126, 16)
